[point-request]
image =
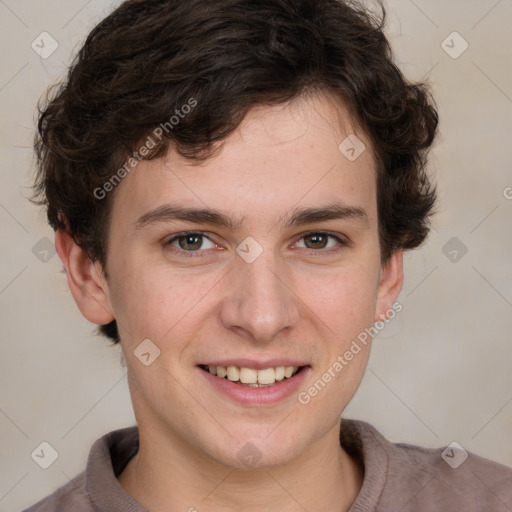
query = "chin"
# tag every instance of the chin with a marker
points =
(256, 449)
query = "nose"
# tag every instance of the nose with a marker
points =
(259, 303)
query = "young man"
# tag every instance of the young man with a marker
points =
(233, 184)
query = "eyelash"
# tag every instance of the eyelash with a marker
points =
(194, 254)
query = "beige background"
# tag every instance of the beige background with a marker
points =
(441, 371)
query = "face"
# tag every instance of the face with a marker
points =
(262, 285)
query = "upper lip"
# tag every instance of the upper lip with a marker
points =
(257, 365)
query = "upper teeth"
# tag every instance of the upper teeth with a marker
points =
(252, 376)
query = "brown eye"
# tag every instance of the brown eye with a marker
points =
(190, 242)
(316, 241)
(319, 241)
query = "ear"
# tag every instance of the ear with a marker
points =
(390, 285)
(85, 279)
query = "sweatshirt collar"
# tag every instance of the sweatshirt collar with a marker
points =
(110, 454)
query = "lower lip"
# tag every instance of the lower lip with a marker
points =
(256, 396)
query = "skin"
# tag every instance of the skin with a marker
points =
(294, 299)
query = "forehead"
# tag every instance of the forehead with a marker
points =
(280, 157)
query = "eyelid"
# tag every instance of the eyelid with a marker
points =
(341, 238)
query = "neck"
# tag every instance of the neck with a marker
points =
(167, 474)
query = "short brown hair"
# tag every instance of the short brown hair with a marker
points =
(148, 58)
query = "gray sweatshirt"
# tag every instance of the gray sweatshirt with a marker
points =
(397, 477)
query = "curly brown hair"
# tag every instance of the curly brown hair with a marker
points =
(148, 58)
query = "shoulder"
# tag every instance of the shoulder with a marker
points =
(97, 488)
(447, 478)
(451, 477)
(71, 496)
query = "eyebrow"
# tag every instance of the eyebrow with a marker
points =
(297, 217)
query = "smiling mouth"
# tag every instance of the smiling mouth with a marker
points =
(249, 377)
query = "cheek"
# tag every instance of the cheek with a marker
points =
(344, 301)
(343, 307)
(153, 302)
